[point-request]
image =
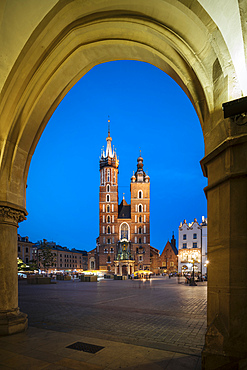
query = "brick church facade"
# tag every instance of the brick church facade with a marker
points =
(123, 245)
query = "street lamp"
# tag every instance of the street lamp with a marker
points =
(206, 265)
(192, 280)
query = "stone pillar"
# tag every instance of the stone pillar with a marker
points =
(120, 269)
(128, 268)
(11, 319)
(116, 268)
(226, 337)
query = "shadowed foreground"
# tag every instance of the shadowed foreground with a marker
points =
(156, 324)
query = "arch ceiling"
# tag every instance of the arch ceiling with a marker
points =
(48, 46)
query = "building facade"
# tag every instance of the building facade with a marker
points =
(24, 249)
(169, 257)
(123, 245)
(167, 261)
(192, 249)
(65, 260)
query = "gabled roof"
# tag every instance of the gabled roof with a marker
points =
(174, 249)
(124, 210)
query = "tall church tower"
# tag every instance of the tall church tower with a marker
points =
(108, 206)
(140, 216)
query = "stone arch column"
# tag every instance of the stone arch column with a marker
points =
(226, 169)
(11, 319)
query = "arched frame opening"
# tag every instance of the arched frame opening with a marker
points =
(62, 54)
(184, 42)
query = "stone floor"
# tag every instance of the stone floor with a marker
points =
(156, 324)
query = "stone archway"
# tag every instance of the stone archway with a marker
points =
(54, 50)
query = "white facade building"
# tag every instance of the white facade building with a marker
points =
(192, 247)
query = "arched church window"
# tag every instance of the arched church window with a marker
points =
(108, 175)
(108, 230)
(108, 208)
(140, 240)
(140, 218)
(140, 230)
(124, 231)
(108, 188)
(108, 219)
(140, 194)
(140, 207)
(108, 198)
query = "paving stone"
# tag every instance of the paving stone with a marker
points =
(158, 315)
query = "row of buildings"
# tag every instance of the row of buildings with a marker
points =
(191, 254)
(123, 245)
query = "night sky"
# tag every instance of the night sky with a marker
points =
(148, 112)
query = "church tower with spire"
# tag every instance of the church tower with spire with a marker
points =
(108, 205)
(123, 245)
(140, 215)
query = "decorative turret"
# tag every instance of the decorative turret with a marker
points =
(109, 157)
(140, 175)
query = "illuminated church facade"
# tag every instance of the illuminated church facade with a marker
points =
(123, 245)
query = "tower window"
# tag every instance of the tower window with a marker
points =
(108, 188)
(124, 231)
(108, 230)
(108, 208)
(140, 230)
(108, 259)
(140, 207)
(140, 218)
(140, 240)
(114, 178)
(112, 207)
(108, 175)
(108, 198)
(140, 194)
(108, 219)
(108, 241)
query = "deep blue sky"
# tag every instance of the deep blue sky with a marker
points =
(148, 110)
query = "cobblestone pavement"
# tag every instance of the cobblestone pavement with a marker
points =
(157, 313)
